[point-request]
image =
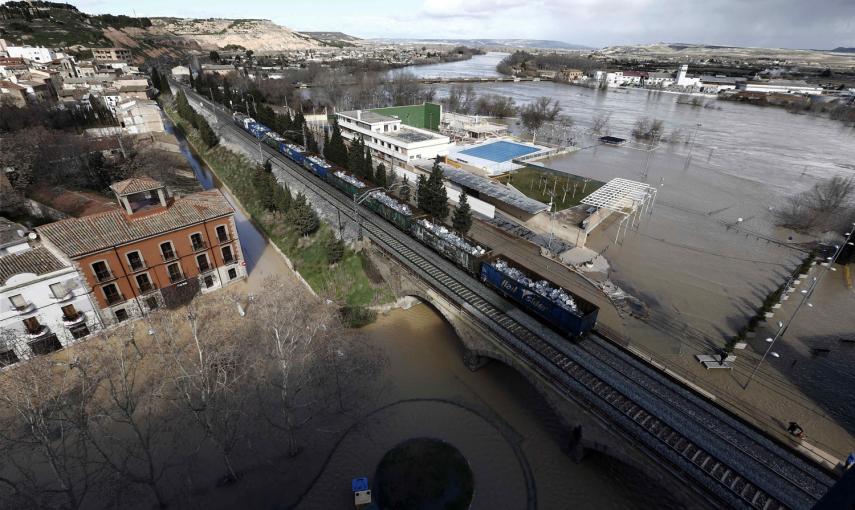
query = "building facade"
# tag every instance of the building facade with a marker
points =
(389, 139)
(44, 305)
(156, 251)
(111, 55)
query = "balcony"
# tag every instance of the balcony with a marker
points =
(67, 296)
(40, 332)
(103, 276)
(169, 255)
(147, 288)
(200, 246)
(71, 321)
(25, 308)
(113, 299)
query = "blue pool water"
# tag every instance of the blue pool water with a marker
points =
(499, 151)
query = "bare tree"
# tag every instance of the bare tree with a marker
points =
(207, 375)
(647, 129)
(136, 436)
(825, 206)
(46, 459)
(600, 124)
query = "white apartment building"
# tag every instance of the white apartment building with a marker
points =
(33, 53)
(43, 304)
(658, 79)
(391, 140)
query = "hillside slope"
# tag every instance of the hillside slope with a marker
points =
(56, 25)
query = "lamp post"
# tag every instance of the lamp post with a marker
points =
(829, 263)
(691, 147)
(768, 350)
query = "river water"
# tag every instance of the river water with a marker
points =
(700, 270)
(493, 416)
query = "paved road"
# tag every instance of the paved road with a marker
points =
(734, 461)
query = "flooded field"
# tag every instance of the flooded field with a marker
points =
(700, 271)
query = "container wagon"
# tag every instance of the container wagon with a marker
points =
(459, 249)
(347, 187)
(272, 139)
(317, 166)
(401, 217)
(520, 287)
(294, 152)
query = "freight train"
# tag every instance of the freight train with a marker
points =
(559, 308)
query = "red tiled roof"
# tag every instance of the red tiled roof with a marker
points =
(135, 185)
(77, 237)
(37, 260)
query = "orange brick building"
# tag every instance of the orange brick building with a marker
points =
(156, 251)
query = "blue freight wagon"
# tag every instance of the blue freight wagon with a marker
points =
(561, 319)
(295, 153)
(317, 166)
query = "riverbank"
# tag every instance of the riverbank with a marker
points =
(345, 281)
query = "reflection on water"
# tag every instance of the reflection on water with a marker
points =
(426, 354)
(251, 240)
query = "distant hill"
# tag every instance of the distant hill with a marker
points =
(841, 49)
(57, 25)
(508, 43)
(338, 39)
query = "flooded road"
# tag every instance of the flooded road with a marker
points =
(497, 420)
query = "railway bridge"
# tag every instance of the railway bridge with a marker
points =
(610, 400)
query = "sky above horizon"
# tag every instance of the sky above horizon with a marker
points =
(819, 24)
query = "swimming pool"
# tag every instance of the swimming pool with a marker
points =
(499, 151)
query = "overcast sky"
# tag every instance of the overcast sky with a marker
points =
(764, 23)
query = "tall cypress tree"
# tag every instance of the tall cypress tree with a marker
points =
(423, 195)
(368, 166)
(438, 197)
(380, 176)
(462, 218)
(354, 158)
(337, 153)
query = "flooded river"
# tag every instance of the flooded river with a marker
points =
(711, 252)
(507, 432)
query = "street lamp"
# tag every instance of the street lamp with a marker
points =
(771, 342)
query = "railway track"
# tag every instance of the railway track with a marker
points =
(735, 462)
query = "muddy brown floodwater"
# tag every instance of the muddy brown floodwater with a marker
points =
(494, 417)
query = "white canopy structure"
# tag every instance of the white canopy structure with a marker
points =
(628, 198)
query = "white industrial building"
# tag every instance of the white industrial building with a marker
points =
(391, 140)
(139, 116)
(783, 87)
(43, 305)
(683, 80)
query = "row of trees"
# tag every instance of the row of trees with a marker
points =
(132, 421)
(209, 137)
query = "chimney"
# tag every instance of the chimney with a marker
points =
(358, 114)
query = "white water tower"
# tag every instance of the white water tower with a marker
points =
(681, 75)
